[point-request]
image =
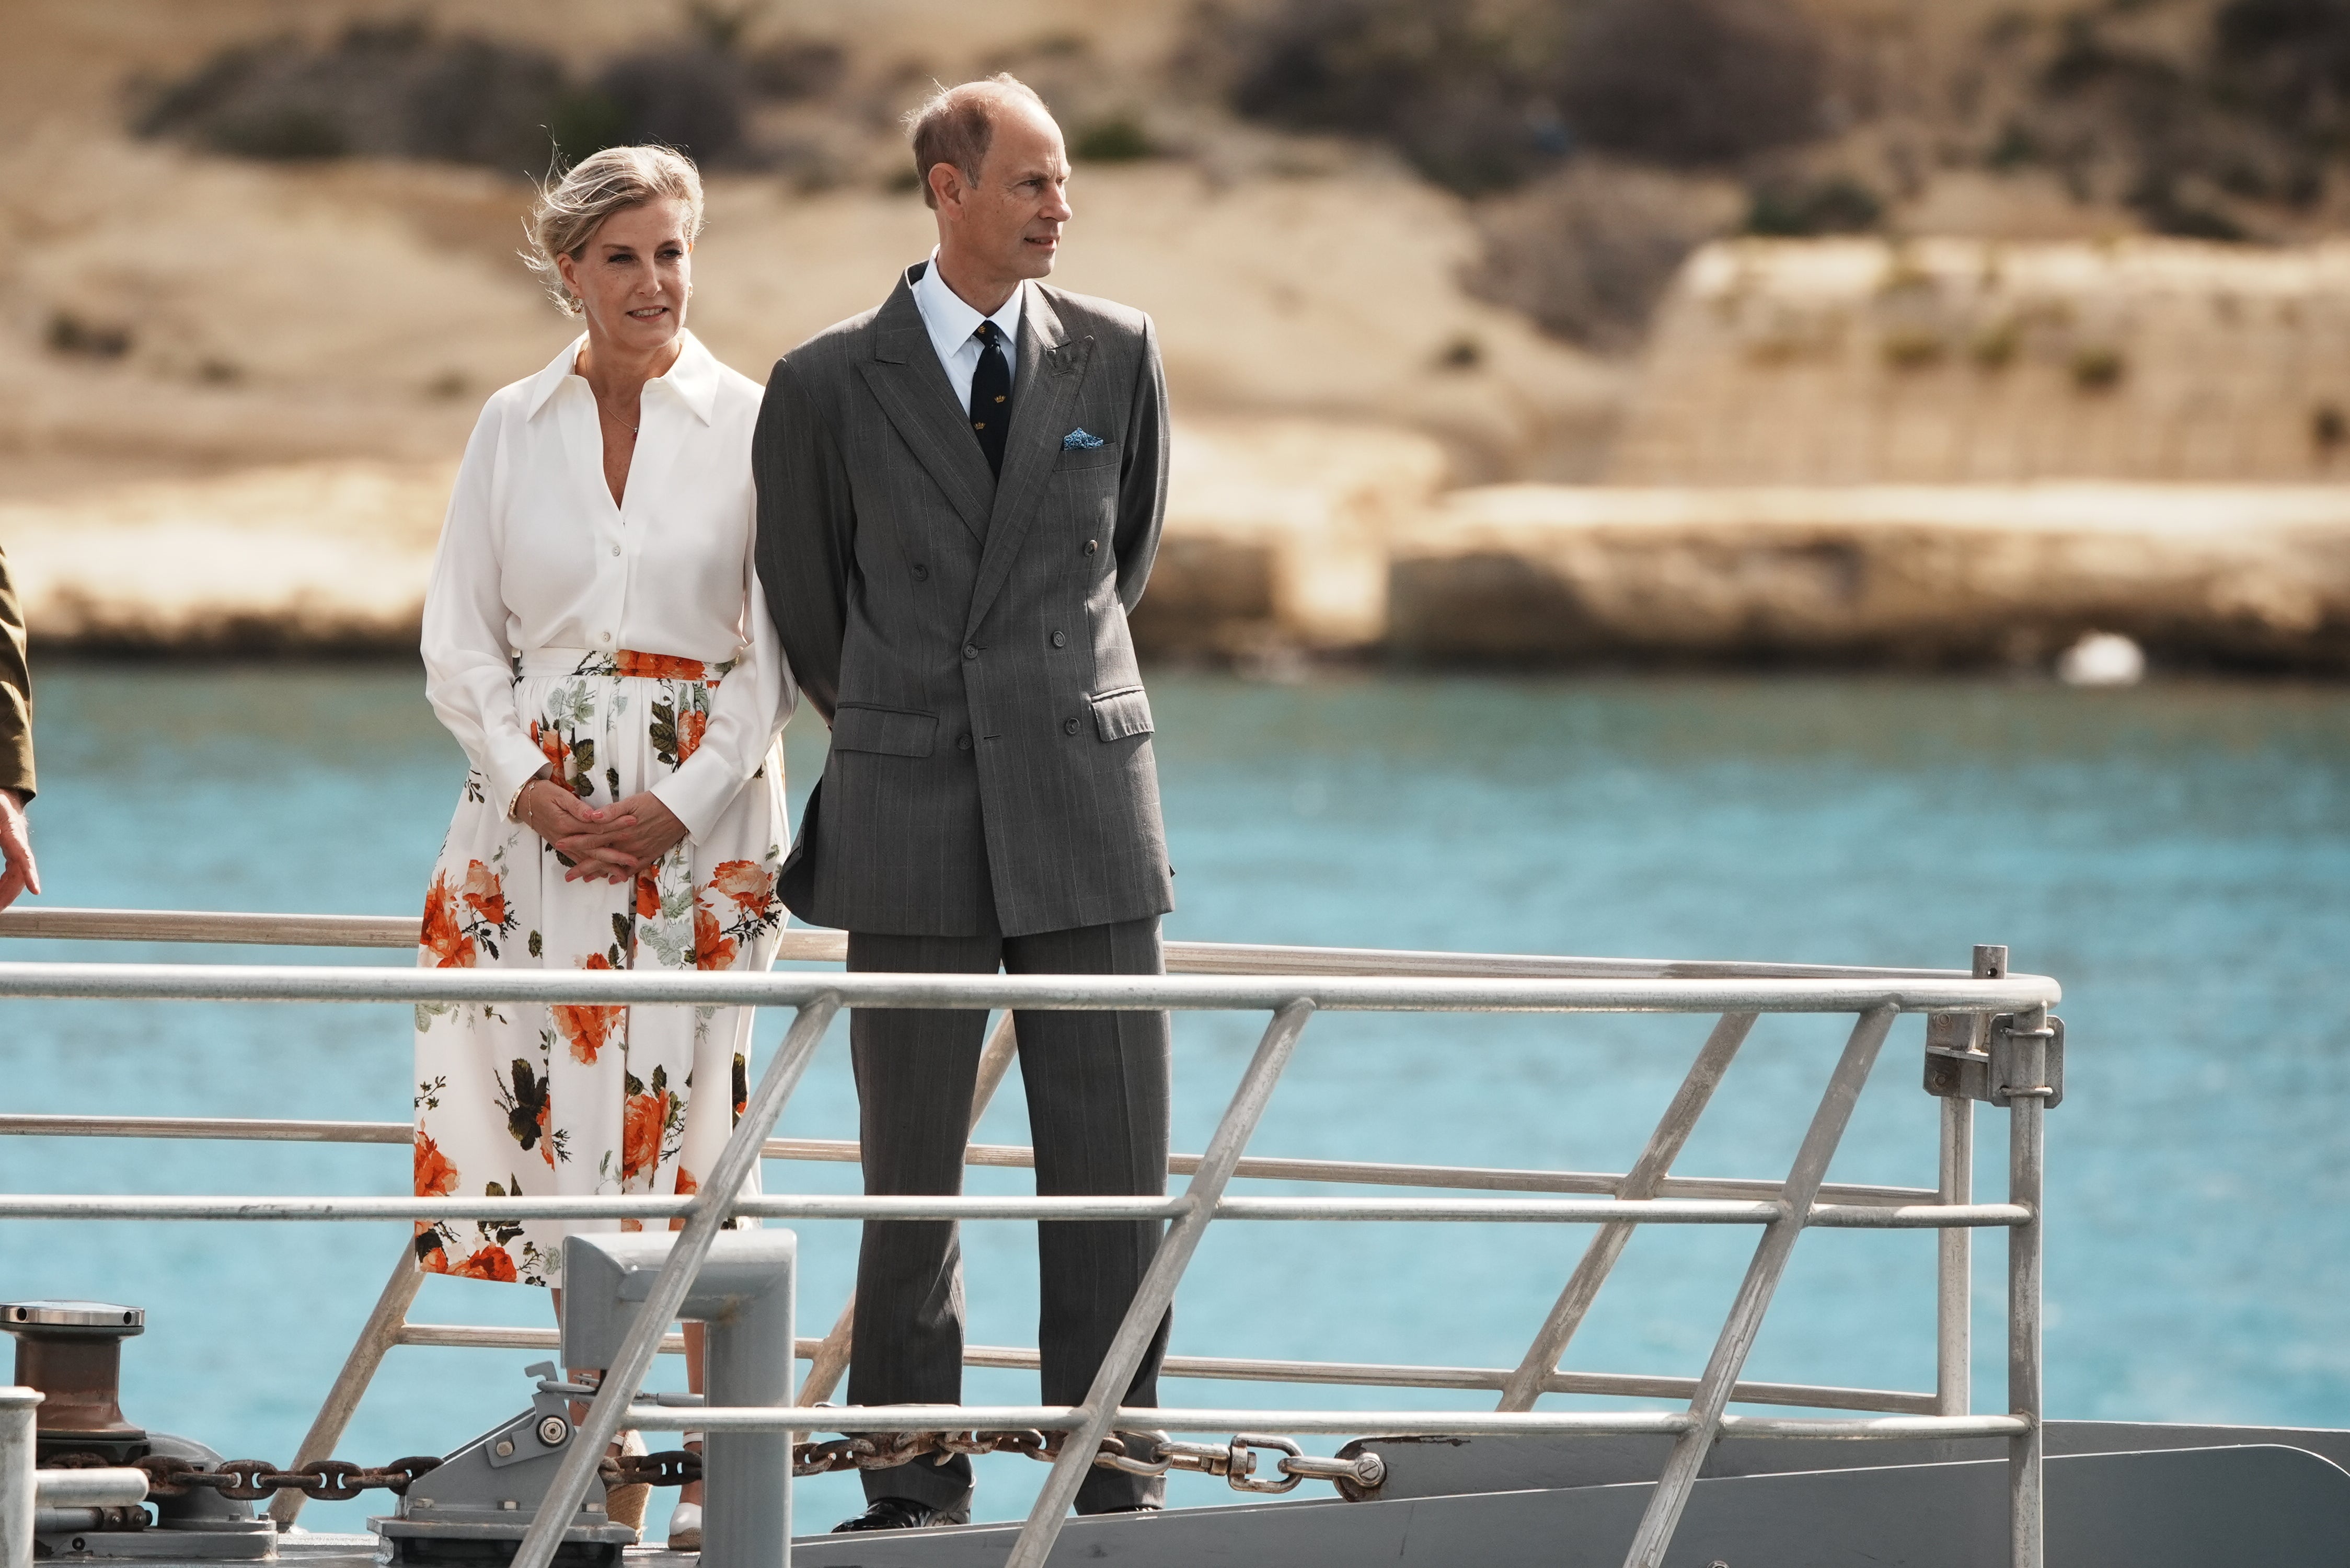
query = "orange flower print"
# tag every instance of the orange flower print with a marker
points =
(484, 895)
(584, 1027)
(656, 666)
(686, 1187)
(690, 724)
(712, 948)
(745, 882)
(648, 895)
(549, 741)
(431, 1256)
(435, 1176)
(489, 1263)
(442, 938)
(642, 1124)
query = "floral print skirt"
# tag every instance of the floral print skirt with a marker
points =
(587, 1100)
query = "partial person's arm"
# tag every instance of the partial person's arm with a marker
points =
(807, 532)
(1142, 482)
(468, 669)
(17, 872)
(746, 713)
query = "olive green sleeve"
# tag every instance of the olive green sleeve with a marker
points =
(15, 693)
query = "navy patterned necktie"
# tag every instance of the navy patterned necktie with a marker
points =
(991, 395)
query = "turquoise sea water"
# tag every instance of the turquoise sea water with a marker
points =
(2178, 856)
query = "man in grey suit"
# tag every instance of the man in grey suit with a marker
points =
(959, 495)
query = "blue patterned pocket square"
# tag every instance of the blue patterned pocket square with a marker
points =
(1078, 440)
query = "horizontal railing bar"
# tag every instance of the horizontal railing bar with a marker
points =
(1357, 1423)
(1017, 1156)
(257, 982)
(1061, 1417)
(468, 1336)
(1020, 1157)
(803, 945)
(1372, 1374)
(224, 1129)
(1488, 1211)
(1241, 1369)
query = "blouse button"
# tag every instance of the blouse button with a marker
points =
(922, 572)
(962, 743)
(1091, 545)
(616, 549)
(1060, 640)
(1068, 726)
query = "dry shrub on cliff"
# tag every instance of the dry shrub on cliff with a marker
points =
(1694, 81)
(1588, 251)
(402, 91)
(1483, 95)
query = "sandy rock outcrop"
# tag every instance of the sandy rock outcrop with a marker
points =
(1917, 575)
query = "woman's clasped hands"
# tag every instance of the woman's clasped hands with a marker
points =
(603, 843)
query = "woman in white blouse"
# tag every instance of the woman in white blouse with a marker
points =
(595, 639)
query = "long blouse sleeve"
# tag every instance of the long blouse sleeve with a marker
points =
(747, 713)
(468, 666)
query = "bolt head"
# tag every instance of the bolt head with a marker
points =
(553, 1431)
(503, 1447)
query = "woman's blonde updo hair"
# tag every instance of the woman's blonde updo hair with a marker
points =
(571, 209)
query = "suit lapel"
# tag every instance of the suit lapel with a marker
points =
(913, 390)
(1043, 391)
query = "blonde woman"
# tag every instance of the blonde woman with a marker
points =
(596, 640)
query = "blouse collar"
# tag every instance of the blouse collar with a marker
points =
(693, 378)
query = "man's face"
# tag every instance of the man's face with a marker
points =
(1010, 221)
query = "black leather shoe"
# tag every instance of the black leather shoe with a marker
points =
(902, 1513)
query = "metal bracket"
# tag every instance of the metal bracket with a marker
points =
(1959, 1067)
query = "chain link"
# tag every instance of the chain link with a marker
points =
(250, 1481)
(339, 1481)
(1236, 1463)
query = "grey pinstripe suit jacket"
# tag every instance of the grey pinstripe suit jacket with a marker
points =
(990, 766)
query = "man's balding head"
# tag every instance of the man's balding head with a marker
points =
(955, 125)
(995, 173)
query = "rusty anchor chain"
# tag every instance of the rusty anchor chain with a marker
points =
(1356, 1473)
(249, 1480)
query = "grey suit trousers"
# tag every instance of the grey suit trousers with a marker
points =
(1098, 1108)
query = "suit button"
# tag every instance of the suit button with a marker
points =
(1068, 726)
(970, 650)
(922, 572)
(1060, 640)
(1091, 545)
(962, 743)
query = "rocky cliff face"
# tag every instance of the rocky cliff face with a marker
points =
(1970, 361)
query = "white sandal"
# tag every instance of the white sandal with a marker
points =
(685, 1527)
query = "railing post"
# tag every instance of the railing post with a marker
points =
(720, 1190)
(17, 1480)
(377, 1337)
(1566, 1315)
(1955, 1258)
(1157, 1291)
(2027, 1128)
(1763, 1273)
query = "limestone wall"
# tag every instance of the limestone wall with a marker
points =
(1970, 361)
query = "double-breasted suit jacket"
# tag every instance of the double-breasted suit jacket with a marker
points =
(966, 636)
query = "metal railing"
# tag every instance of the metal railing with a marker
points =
(1292, 985)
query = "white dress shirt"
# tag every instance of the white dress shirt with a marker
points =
(952, 322)
(535, 556)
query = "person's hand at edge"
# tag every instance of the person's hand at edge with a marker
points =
(17, 872)
(575, 830)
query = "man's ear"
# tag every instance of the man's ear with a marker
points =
(947, 188)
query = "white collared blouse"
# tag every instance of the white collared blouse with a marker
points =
(535, 556)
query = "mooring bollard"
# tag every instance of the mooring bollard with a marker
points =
(744, 1294)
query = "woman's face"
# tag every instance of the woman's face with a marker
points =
(633, 275)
